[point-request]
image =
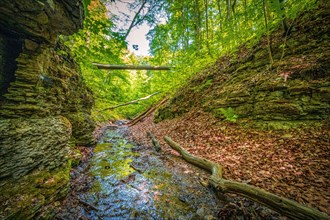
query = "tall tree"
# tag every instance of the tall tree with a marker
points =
(265, 8)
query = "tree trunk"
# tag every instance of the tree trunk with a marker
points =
(265, 10)
(228, 9)
(220, 16)
(282, 205)
(130, 67)
(283, 15)
(207, 27)
(197, 25)
(233, 7)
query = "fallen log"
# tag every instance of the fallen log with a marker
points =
(154, 141)
(282, 205)
(130, 102)
(146, 113)
(130, 67)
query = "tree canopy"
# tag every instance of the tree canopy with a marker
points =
(189, 35)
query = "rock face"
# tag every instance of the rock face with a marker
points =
(294, 91)
(34, 143)
(41, 20)
(44, 103)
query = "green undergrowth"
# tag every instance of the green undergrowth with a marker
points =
(227, 114)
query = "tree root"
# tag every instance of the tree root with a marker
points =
(282, 205)
(88, 205)
(154, 141)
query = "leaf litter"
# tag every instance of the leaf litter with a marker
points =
(292, 163)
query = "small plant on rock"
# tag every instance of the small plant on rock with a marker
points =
(229, 114)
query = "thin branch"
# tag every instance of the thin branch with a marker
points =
(134, 22)
(89, 205)
(130, 102)
(147, 112)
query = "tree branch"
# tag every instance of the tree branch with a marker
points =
(133, 23)
(130, 102)
(146, 113)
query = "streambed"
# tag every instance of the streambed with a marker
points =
(125, 181)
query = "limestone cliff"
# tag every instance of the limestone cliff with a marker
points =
(44, 103)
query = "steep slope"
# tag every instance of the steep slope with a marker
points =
(294, 90)
(268, 127)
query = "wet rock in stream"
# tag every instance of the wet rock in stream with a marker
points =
(125, 181)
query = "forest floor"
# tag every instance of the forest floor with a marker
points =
(293, 163)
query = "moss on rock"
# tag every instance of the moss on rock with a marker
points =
(44, 104)
(23, 199)
(294, 91)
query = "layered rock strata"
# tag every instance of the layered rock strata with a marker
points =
(294, 91)
(44, 104)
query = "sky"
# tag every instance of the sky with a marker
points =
(137, 35)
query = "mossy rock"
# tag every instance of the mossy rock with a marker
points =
(82, 128)
(23, 198)
(29, 144)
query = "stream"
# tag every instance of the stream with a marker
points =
(125, 181)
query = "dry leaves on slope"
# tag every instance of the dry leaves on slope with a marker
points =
(294, 164)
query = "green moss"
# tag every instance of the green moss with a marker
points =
(75, 156)
(277, 110)
(82, 128)
(285, 125)
(110, 161)
(163, 113)
(22, 199)
(204, 85)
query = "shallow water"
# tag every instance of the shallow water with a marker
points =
(126, 181)
(123, 180)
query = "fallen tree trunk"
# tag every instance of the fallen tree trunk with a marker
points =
(154, 141)
(130, 102)
(130, 67)
(146, 113)
(282, 205)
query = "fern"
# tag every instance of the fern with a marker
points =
(229, 114)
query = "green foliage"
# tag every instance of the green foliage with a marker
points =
(229, 114)
(204, 85)
(197, 31)
(194, 35)
(98, 43)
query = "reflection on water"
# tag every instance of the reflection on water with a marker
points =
(129, 183)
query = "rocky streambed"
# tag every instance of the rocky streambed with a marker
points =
(125, 181)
